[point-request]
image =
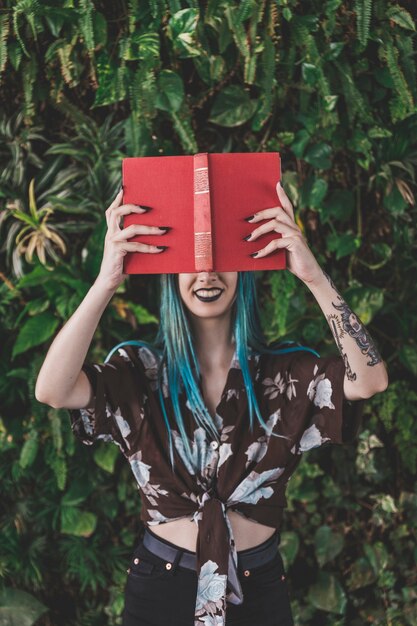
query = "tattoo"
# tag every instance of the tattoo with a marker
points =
(338, 334)
(354, 328)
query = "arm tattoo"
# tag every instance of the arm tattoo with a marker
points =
(352, 325)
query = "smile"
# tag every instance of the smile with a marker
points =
(208, 295)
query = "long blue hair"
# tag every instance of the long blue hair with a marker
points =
(178, 364)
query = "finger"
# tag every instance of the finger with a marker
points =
(137, 246)
(116, 202)
(285, 201)
(281, 224)
(265, 214)
(113, 216)
(138, 229)
(283, 242)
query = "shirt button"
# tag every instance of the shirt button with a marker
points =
(246, 572)
(136, 561)
(168, 565)
(214, 445)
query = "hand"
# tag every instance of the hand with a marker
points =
(300, 260)
(115, 245)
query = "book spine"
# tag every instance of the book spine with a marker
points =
(203, 243)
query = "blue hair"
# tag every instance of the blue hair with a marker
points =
(174, 346)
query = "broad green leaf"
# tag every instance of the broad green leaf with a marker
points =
(394, 202)
(29, 449)
(142, 315)
(361, 574)
(334, 50)
(170, 91)
(288, 547)
(302, 138)
(19, 608)
(319, 156)
(99, 28)
(327, 594)
(232, 107)
(105, 456)
(330, 102)
(310, 74)
(313, 192)
(338, 205)
(76, 522)
(377, 555)
(408, 357)
(182, 32)
(365, 302)
(343, 244)
(76, 493)
(401, 17)
(35, 331)
(328, 544)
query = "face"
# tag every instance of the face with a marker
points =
(219, 297)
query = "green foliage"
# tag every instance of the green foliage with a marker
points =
(333, 87)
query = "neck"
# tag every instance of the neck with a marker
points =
(214, 343)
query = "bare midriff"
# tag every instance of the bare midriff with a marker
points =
(183, 532)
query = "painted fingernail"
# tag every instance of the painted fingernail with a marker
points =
(254, 254)
(165, 228)
(145, 208)
(247, 237)
(162, 247)
(247, 219)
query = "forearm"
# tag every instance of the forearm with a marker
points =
(365, 369)
(68, 350)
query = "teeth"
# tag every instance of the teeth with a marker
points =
(208, 292)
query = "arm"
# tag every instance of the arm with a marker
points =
(61, 381)
(365, 371)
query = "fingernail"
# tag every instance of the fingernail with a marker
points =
(166, 228)
(254, 254)
(247, 238)
(162, 247)
(120, 188)
(145, 208)
(247, 219)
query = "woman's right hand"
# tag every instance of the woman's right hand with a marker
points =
(115, 245)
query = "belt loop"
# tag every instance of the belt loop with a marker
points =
(176, 560)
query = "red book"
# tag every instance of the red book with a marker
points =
(205, 198)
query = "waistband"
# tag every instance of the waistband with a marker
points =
(247, 559)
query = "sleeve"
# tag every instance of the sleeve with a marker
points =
(118, 411)
(326, 415)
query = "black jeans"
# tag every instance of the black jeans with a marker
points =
(155, 596)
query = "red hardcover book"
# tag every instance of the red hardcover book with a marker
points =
(205, 198)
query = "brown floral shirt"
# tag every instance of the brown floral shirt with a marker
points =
(300, 395)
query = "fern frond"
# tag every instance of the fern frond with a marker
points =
(405, 46)
(245, 10)
(402, 91)
(4, 33)
(363, 10)
(356, 105)
(184, 129)
(86, 23)
(267, 82)
(238, 31)
(30, 69)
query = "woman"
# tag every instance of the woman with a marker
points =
(182, 412)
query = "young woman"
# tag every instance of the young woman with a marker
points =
(212, 478)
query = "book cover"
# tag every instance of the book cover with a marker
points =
(205, 199)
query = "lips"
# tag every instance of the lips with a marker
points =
(208, 294)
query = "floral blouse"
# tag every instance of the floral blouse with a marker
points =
(300, 395)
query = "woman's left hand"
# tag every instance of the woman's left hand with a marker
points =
(300, 260)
